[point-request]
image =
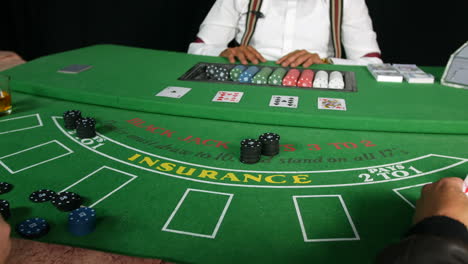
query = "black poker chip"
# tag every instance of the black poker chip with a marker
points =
(5, 187)
(67, 201)
(5, 209)
(250, 151)
(33, 228)
(86, 127)
(270, 144)
(70, 117)
(41, 196)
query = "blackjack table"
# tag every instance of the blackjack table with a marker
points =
(164, 174)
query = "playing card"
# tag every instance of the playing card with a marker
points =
(284, 101)
(228, 97)
(75, 68)
(173, 92)
(331, 104)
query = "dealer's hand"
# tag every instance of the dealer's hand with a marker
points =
(444, 197)
(244, 54)
(5, 243)
(300, 57)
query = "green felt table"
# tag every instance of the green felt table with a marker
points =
(164, 174)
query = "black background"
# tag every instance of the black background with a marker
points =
(409, 31)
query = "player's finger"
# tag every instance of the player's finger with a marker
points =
(231, 57)
(250, 56)
(292, 58)
(301, 59)
(257, 54)
(285, 57)
(240, 55)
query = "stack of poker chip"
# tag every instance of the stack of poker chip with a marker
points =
(86, 127)
(262, 76)
(41, 196)
(33, 228)
(5, 209)
(5, 187)
(336, 80)
(235, 73)
(247, 75)
(276, 78)
(67, 201)
(216, 72)
(291, 77)
(250, 151)
(305, 80)
(321, 79)
(270, 144)
(82, 221)
(70, 117)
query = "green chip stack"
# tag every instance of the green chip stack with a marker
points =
(276, 78)
(236, 72)
(262, 76)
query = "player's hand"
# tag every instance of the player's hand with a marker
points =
(445, 198)
(244, 54)
(300, 57)
(5, 243)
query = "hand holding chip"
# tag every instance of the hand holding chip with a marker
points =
(244, 54)
(443, 198)
(300, 57)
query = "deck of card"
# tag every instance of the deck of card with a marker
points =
(173, 92)
(228, 97)
(331, 104)
(74, 68)
(413, 74)
(284, 101)
(385, 73)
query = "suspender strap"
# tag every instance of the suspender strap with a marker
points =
(336, 16)
(251, 21)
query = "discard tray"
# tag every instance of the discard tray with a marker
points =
(198, 73)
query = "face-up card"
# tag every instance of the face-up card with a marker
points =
(75, 68)
(228, 97)
(331, 104)
(284, 101)
(173, 92)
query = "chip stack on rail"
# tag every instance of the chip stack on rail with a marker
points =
(247, 75)
(210, 71)
(235, 73)
(262, 76)
(5, 187)
(276, 78)
(321, 79)
(336, 80)
(270, 143)
(82, 221)
(250, 151)
(5, 209)
(291, 77)
(220, 74)
(86, 127)
(41, 196)
(33, 228)
(67, 201)
(70, 117)
(307, 76)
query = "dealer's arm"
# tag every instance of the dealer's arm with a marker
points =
(440, 232)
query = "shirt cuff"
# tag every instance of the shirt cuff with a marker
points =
(440, 226)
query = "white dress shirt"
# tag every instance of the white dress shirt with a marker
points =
(289, 25)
